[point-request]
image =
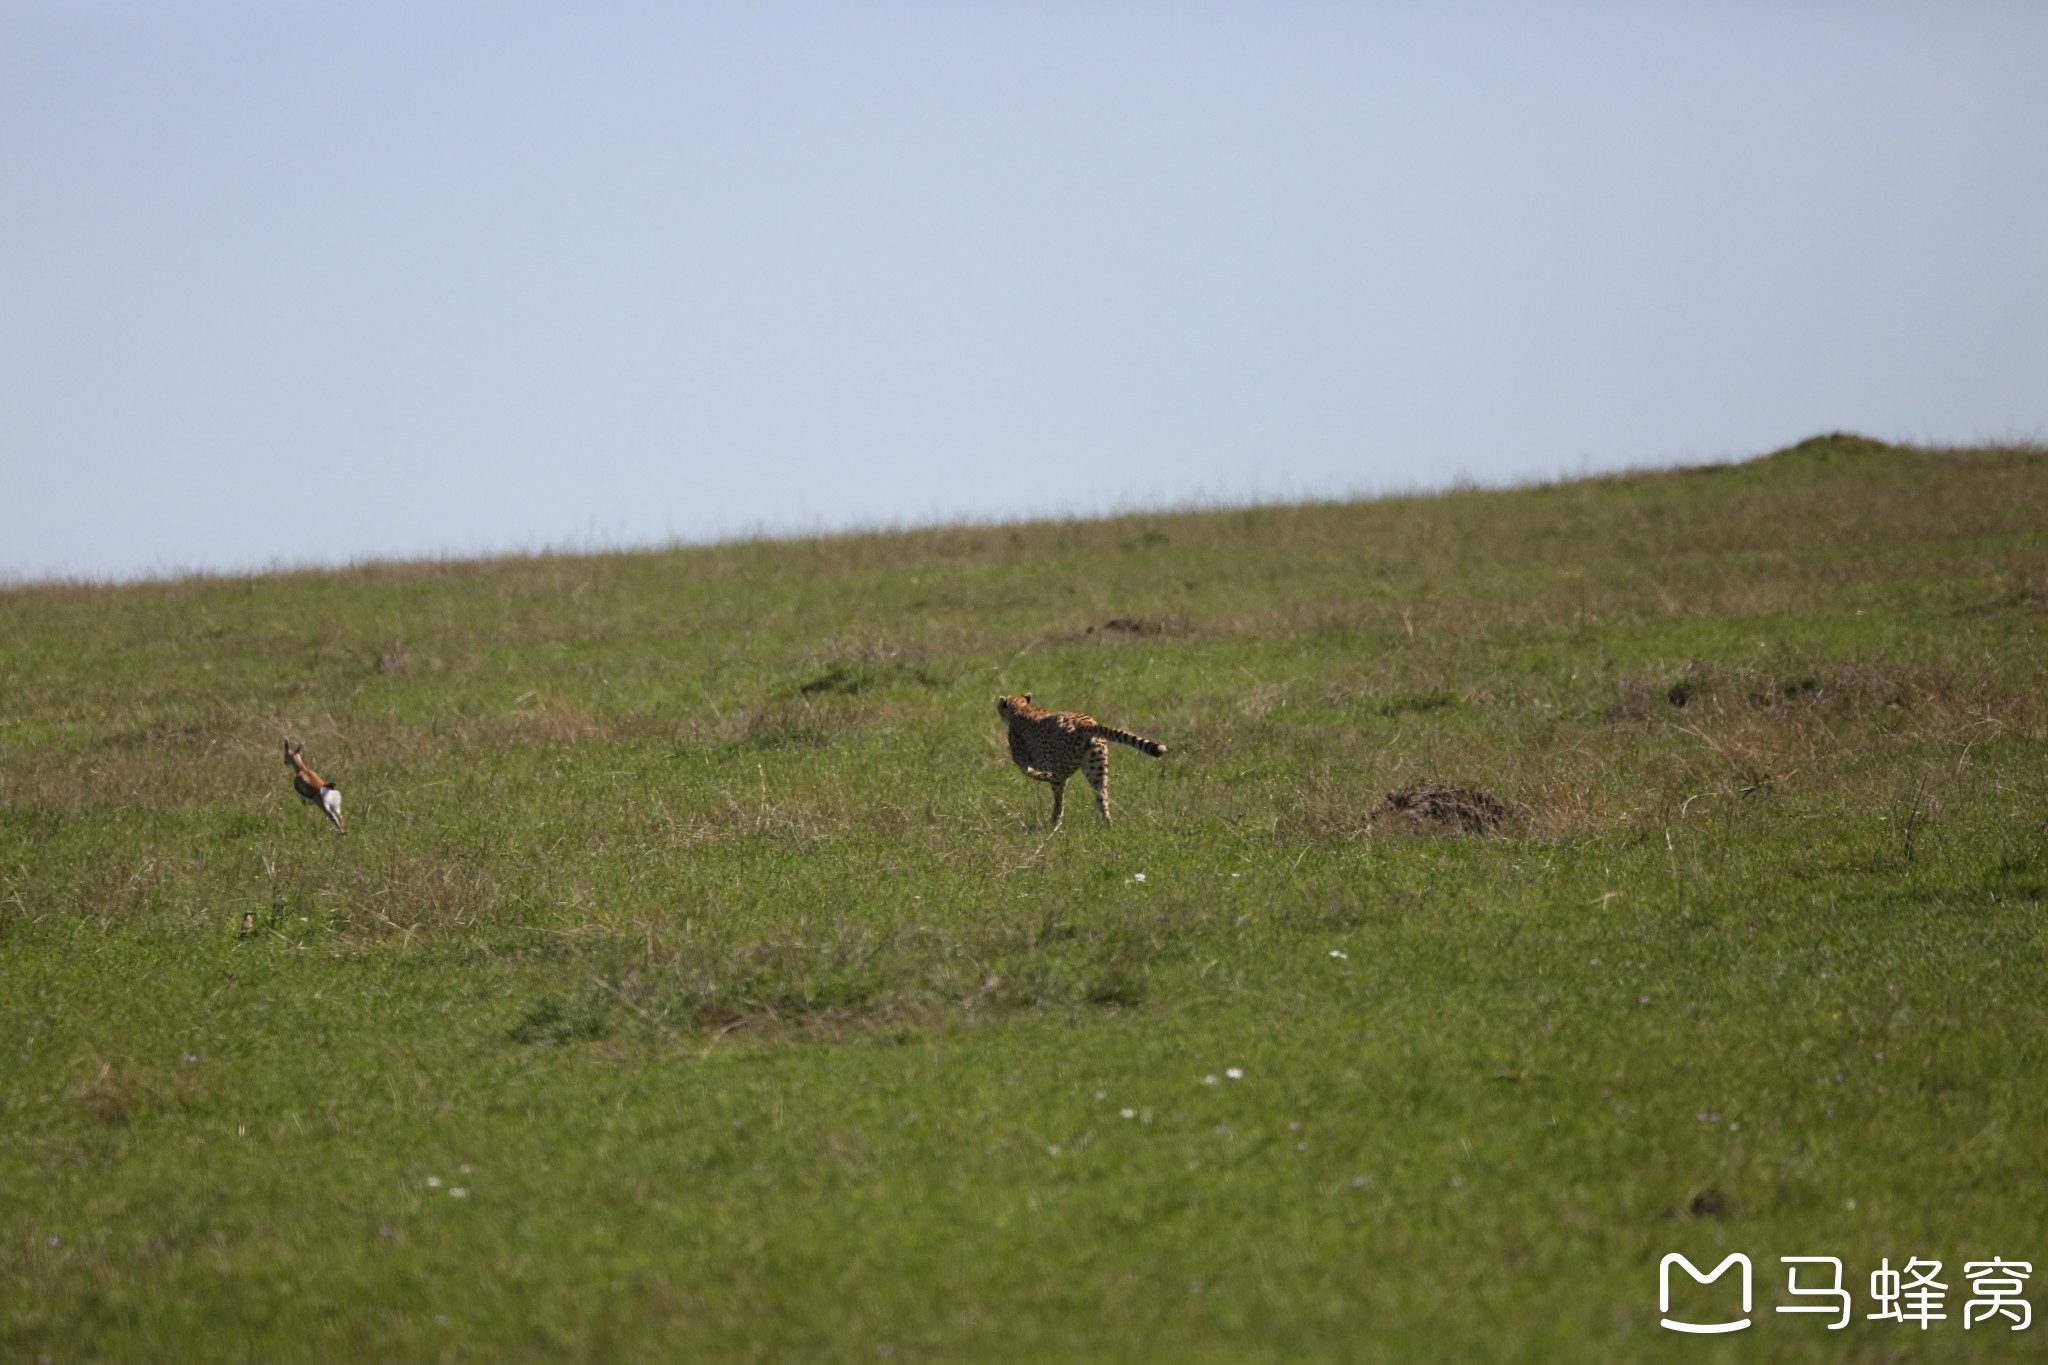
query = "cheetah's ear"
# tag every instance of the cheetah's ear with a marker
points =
(1027, 698)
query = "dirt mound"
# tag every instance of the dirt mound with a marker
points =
(1127, 625)
(1435, 807)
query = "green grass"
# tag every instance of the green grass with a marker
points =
(692, 921)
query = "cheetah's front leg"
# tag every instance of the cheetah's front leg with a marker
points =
(1059, 797)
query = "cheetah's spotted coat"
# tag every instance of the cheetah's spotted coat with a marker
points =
(1051, 746)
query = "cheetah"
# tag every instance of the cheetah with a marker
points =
(307, 783)
(1049, 746)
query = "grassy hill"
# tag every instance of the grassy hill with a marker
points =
(698, 980)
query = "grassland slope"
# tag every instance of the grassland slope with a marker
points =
(697, 979)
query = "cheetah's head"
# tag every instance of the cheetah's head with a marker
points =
(1007, 707)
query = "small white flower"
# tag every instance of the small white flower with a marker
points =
(1128, 1113)
(1137, 876)
(458, 1193)
(1052, 1149)
(1236, 1073)
(465, 1168)
(1102, 1094)
(1340, 954)
(1236, 874)
(433, 1182)
(1208, 1080)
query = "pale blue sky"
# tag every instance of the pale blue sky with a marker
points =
(316, 282)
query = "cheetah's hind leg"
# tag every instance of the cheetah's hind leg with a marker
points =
(1096, 766)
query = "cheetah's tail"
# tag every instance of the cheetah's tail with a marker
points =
(1138, 742)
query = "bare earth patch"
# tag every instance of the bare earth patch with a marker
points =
(1136, 628)
(1435, 807)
